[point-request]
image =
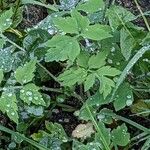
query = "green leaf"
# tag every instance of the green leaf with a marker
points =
(108, 71)
(118, 15)
(6, 59)
(56, 130)
(72, 76)
(67, 24)
(2, 43)
(126, 43)
(106, 85)
(120, 136)
(82, 59)
(68, 4)
(25, 74)
(35, 2)
(130, 64)
(29, 94)
(124, 97)
(105, 131)
(8, 104)
(1, 75)
(90, 80)
(97, 32)
(62, 48)
(97, 61)
(97, 100)
(5, 20)
(91, 6)
(146, 40)
(82, 21)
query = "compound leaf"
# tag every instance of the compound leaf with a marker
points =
(62, 48)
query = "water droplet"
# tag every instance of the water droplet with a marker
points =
(100, 116)
(30, 98)
(129, 96)
(36, 98)
(28, 93)
(22, 91)
(129, 102)
(8, 105)
(10, 94)
(12, 113)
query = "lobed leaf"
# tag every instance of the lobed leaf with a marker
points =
(30, 94)
(25, 74)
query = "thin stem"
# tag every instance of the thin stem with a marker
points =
(11, 42)
(39, 146)
(19, 47)
(98, 129)
(10, 88)
(49, 73)
(142, 14)
(138, 126)
(51, 89)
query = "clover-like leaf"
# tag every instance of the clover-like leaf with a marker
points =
(5, 20)
(30, 94)
(120, 136)
(25, 74)
(83, 131)
(62, 48)
(8, 104)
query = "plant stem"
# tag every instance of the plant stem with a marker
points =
(9, 88)
(138, 126)
(142, 14)
(98, 129)
(32, 142)
(11, 42)
(49, 73)
(39, 64)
